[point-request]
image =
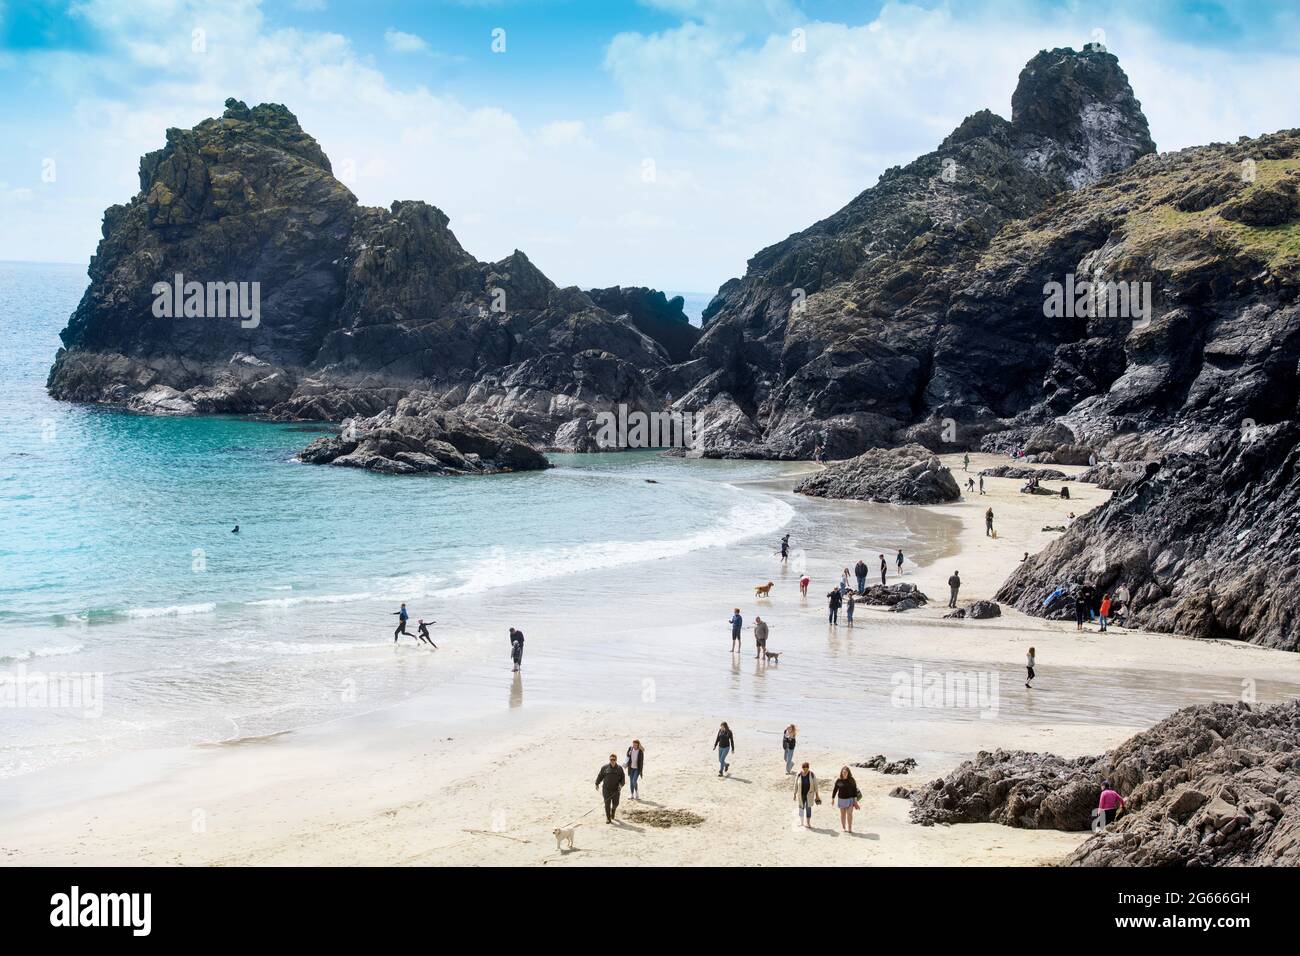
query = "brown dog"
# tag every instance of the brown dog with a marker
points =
(763, 590)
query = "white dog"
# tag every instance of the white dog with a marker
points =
(563, 836)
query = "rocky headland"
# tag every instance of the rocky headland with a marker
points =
(1211, 785)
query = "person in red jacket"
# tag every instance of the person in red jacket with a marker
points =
(1104, 611)
(1110, 803)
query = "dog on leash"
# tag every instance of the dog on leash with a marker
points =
(564, 835)
(763, 590)
(773, 657)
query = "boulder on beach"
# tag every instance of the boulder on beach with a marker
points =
(982, 610)
(906, 475)
(418, 437)
(881, 764)
(893, 596)
(1210, 785)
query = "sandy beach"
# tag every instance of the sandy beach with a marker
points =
(410, 785)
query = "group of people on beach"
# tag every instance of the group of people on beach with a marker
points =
(422, 633)
(844, 596)
(610, 779)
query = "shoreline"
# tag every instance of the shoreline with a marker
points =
(408, 784)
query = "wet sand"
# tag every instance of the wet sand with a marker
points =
(479, 768)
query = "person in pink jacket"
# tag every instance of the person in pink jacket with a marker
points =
(1110, 802)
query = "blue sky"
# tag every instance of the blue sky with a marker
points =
(659, 142)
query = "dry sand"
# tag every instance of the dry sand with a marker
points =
(386, 791)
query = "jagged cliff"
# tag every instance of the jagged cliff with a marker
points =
(358, 306)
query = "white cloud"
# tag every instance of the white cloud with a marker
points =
(749, 139)
(400, 42)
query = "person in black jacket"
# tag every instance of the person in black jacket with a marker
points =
(860, 572)
(846, 795)
(833, 603)
(724, 744)
(609, 782)
(517, 647)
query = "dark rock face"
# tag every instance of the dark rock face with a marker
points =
(855, 330)
(1202, 542)
(659, 317)
(358, 306)
(420, 437)
(906, 475)
(1211, 785)
(1012, 471)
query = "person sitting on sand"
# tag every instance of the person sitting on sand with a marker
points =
(1065, 491)
(788, 740)
(1110, 803)
(805, 794)
(725, 745)
(609, 781)
(1069, 521)
(846, 796)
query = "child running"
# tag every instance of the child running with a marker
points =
(1029, 667)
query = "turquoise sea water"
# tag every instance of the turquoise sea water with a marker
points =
(116, 551)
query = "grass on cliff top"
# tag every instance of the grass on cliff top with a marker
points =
(1164, 227)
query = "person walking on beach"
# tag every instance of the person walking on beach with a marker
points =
(517, 647)
(846, 796)
(1029, 667)
(1080, 609)
(833, 601)
(860, 572)
(401, 622)
(635, 768)
(884, 569)
(981, 483)
(965, 462)
(725, 745)
(609, 781)
(899, 561)
(803, 585)
(970, 484)
(787, 747)
(760, 636)
(1103, 613)
(954, 585)
(785, 547)
(988, 523)
(736, 622)
(848, 608)
(1110, 803)
(422, 632)
(805, 794)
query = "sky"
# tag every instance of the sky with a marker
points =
(659, 142)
